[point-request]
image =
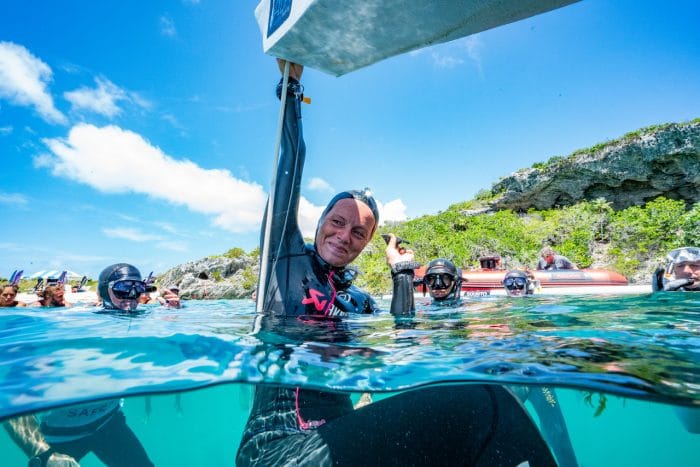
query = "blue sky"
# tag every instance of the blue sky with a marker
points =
(144, 131)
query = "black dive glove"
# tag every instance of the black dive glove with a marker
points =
(677, 284)
(294, 88)
(657, 279)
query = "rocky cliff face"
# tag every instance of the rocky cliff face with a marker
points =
(214, 278)
(637, 168)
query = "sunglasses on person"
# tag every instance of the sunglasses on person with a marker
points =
(439, 281)
(127, 289)
(515, 282)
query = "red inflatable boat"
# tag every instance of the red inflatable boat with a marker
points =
(486, 278)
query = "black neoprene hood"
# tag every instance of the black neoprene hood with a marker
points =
(365, 196)
(441, 265)
(113, 273)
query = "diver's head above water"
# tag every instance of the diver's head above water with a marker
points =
(346, 227)
(443, 279)
(683, 266)
(518, 284)
(120, 286)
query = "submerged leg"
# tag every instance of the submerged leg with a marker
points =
(463, 424)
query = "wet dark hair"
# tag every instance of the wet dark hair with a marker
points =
(9, 284)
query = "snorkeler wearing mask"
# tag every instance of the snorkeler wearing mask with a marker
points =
(120, 286)
(518, 284)
(680, 273)
(63, 436)
(443, 280)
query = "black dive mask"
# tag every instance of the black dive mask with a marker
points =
(127, 289)
(439, 281)
(515, 283)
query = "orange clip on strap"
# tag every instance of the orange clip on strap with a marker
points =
(306, 100)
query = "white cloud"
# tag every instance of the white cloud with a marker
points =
(114, 160)
(43, 160)
(142, 102)
(170, 118)
(102, 99)
(23, 81)
(319, 184)
(167, 26)
(446, 61)
(392, 211)
(473, 45)
(128, 233)
(173, 245)
(13, 198)
(6, 130)
(167, 227)
(308, 217)
(451, 54)
(136, 235)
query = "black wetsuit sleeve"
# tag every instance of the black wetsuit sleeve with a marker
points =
(285, 235)
(402, 302)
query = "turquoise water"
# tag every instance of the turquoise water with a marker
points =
(622, 367)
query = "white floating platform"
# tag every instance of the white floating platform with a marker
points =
(340, 36)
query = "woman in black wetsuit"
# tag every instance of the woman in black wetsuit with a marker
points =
(311, 286)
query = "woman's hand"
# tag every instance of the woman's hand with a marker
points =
(395, 253)
(295, 70)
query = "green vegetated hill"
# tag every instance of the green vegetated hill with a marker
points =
(631, 241)
(618, 205)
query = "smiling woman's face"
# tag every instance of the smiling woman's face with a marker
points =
(344, 232)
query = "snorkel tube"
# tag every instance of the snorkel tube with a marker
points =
(61, 279)
(16, 277)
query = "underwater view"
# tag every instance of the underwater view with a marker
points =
(623, 370)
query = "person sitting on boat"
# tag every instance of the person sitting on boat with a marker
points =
(550, 260)
(490, 262)
(309, 291)
(63, 436)
(681, 272)
(519, 283)
(8, 295)
(52, 296)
